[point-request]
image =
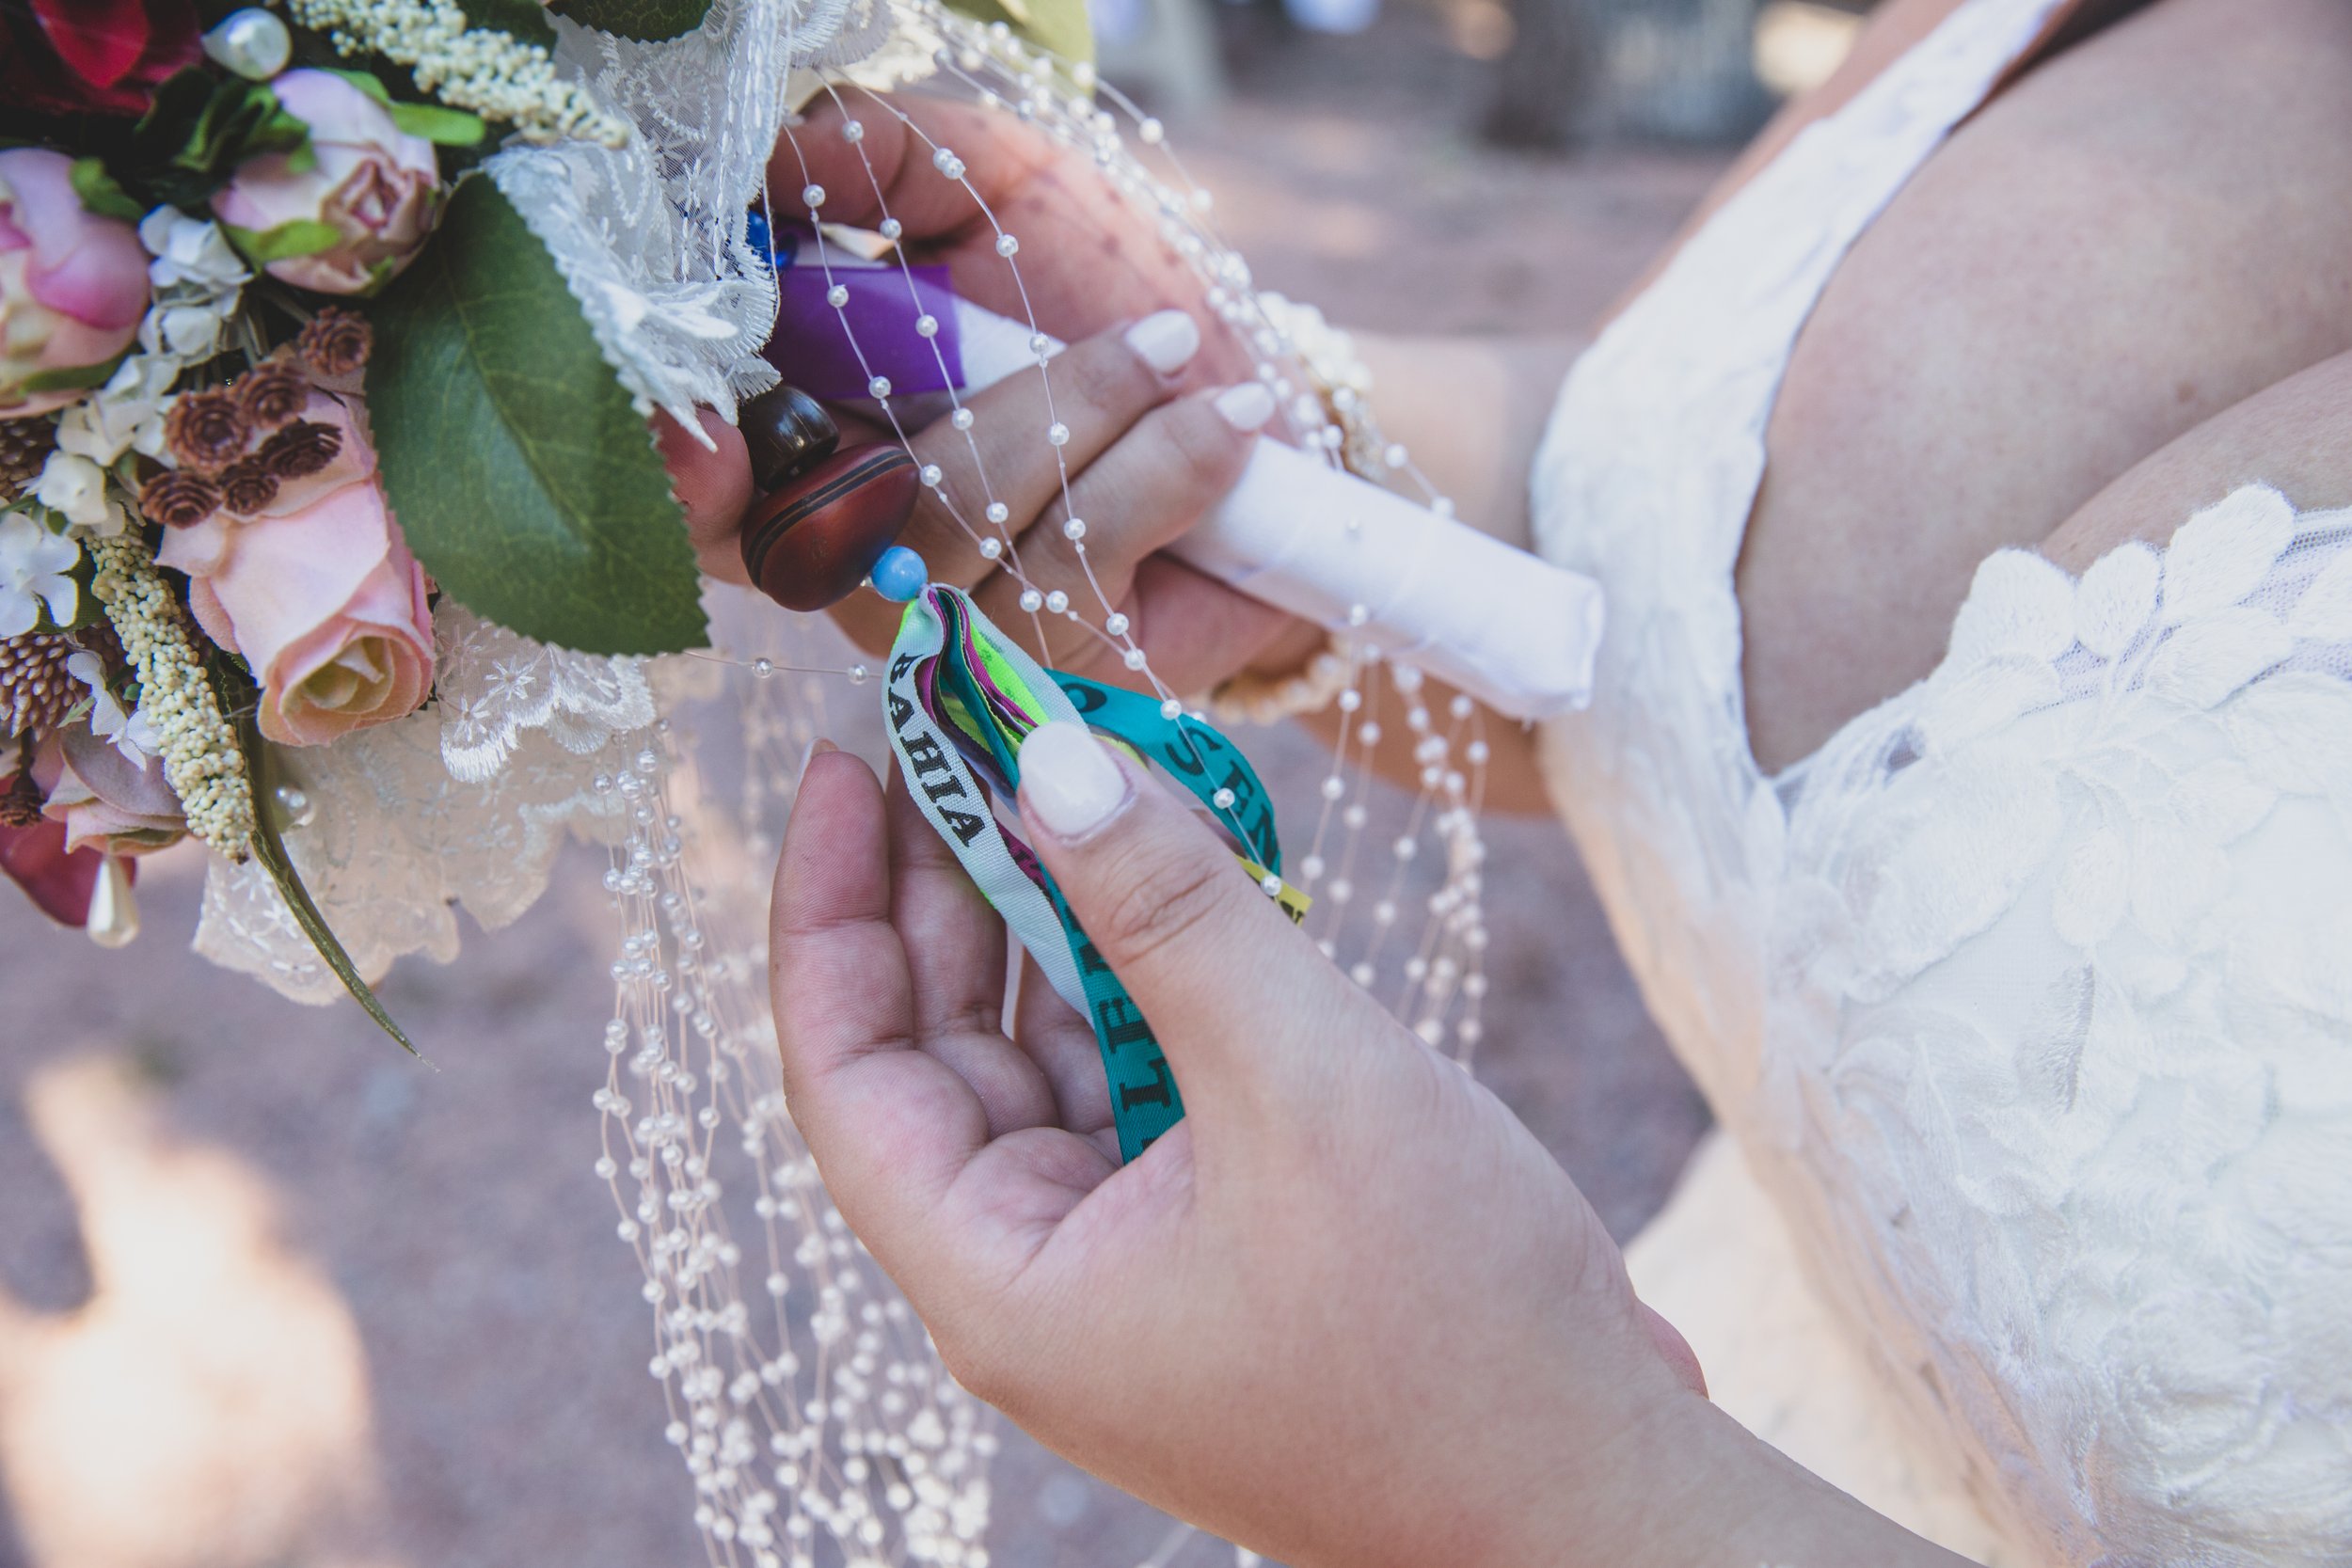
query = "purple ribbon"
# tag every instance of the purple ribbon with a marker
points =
(811, 347)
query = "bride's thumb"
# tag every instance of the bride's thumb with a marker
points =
(1239, 999)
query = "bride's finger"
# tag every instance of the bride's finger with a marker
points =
(955, 948)
(890, 1127)
(1156, 483)
(1094, 392)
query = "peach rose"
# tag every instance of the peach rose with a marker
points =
(319, 595)
(370, 185)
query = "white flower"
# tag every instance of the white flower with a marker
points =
(189, 250)
(101, 428)
(33, 566)
(75, 486)
(107, 722)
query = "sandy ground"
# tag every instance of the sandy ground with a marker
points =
(273, 1297)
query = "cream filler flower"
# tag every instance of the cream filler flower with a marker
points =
(35, 567)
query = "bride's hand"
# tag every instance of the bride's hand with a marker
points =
(1088, 258)
(1347, 1312)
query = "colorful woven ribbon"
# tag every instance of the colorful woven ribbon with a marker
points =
(961, 698)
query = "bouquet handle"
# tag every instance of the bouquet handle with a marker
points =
(1513, 630)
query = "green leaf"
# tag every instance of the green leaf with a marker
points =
(1059, 26)
(237, 696)
(100, 194)
(523, 476)
(72, 379)
(369, 83)
(636, 19)
(525, 21)
(294, 237)
(442, 127)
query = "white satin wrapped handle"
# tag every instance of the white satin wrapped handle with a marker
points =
(1510, 628)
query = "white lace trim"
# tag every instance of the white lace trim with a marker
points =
(491, 685)
(393, 846)
(650, 235)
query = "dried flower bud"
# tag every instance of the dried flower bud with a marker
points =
(21, 804)
(273, 392)
(206, 430)
(249, 485)
(335, 343)
(179, 499)
(301, 449)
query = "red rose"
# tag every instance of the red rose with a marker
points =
(97, 57)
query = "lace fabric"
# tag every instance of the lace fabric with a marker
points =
(2024, 997)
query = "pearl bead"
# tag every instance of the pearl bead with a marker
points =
(1074, 527)
(879, 387)
(998, 512)
(837, 296)
(927, 326)
(1151, 132)
(961, 418)
(1222, 800)
(992, 549)
(1271, 885)
(891, 229)
(1334, 787)
(1031, 600)
(812, 196)
(1134, 658)
(252, 42)
(1057, 435)
(1171, 710)
(762, 667)
(1006, 245)
(1116, 624)
(853, 129)
(931, 475)
(1057, 602)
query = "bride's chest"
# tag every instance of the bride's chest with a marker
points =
(2142, 233)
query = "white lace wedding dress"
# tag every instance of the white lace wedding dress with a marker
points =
(2026, 1002)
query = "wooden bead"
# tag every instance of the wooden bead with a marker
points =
(812, 542)
(787, 433)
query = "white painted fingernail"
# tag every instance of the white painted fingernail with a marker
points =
(1166, 341)
(1245, 407)
(1069, 781)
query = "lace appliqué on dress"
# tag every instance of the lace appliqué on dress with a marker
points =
(2076, 905)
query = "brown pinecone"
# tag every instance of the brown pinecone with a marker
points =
(207, 430)
(301, 449)
(273, 392)
(37, 690)
(249, 485)
(334, 343)
(179, 499)
(25, 446)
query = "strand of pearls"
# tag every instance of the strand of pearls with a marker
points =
(810, 1412)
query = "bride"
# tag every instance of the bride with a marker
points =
(1967, 780)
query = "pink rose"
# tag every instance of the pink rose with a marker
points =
(375, 186)
(321, 597)
(72, 284)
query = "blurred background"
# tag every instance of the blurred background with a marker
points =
(273, 1296)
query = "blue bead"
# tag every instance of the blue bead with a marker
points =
(899, 574)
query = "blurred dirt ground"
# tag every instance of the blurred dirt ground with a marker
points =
(271, 1296)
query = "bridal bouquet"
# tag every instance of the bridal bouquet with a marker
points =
(328, 337)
